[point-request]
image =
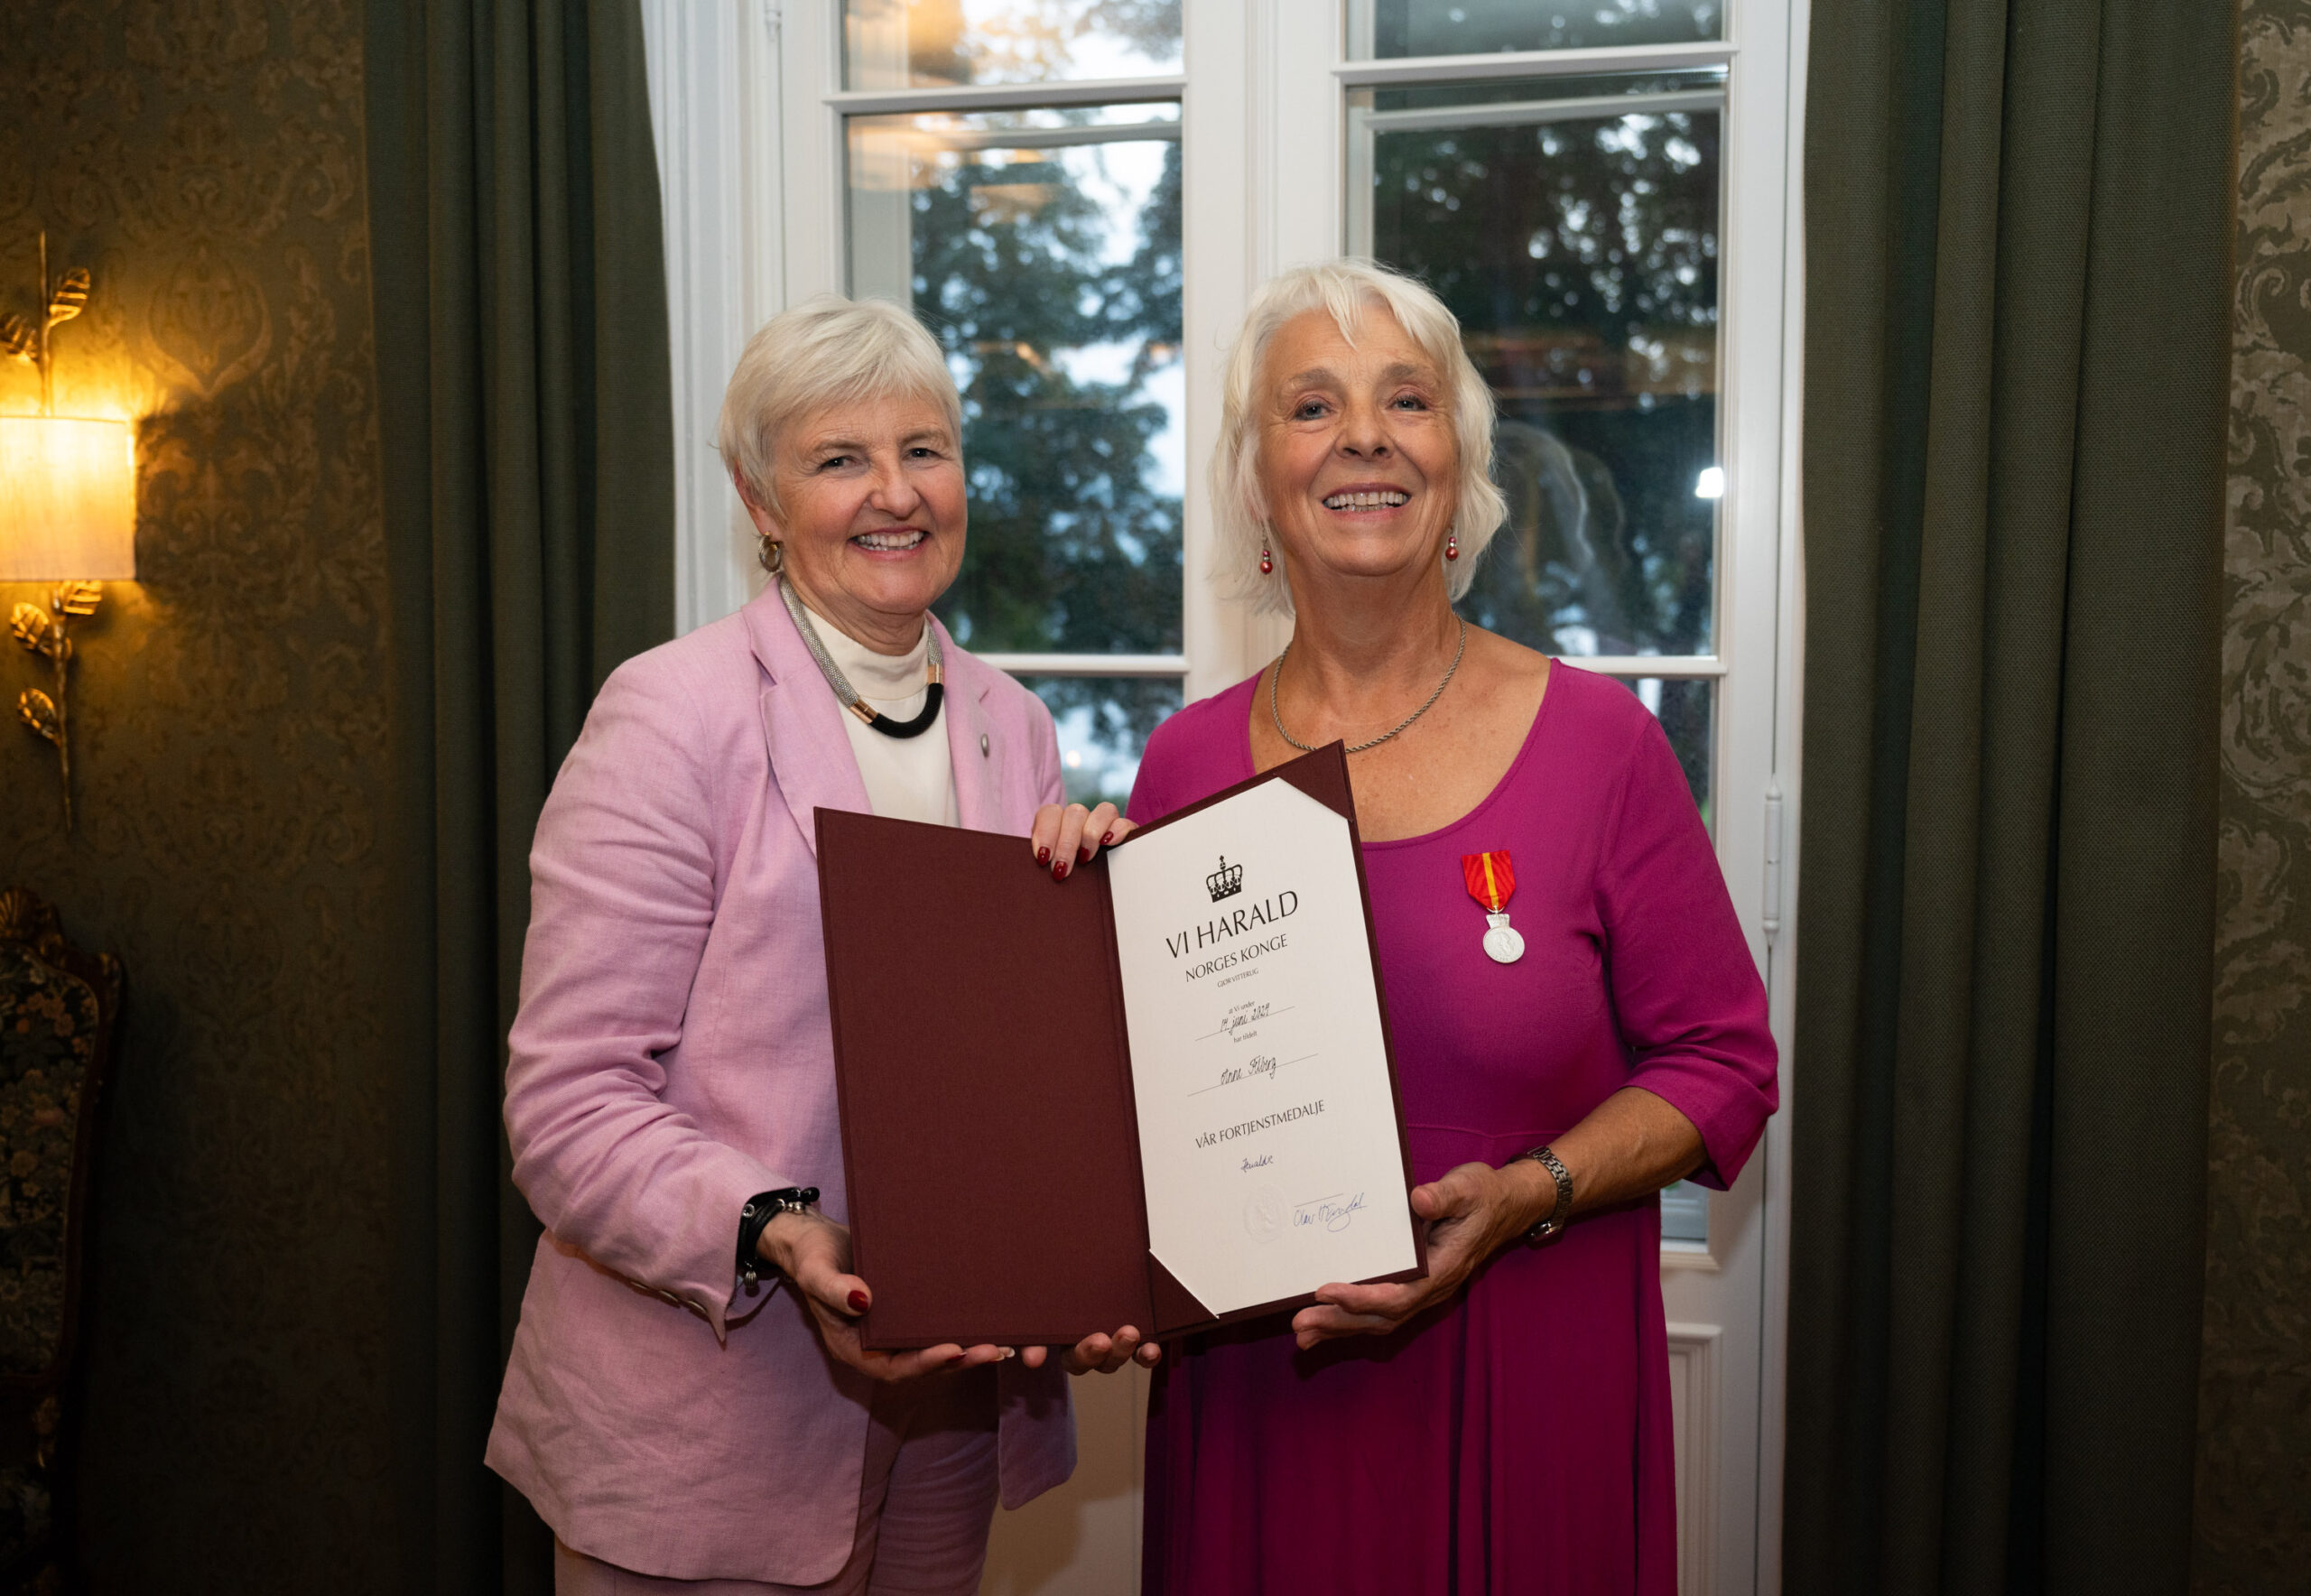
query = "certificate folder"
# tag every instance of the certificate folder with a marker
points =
(983, 1024)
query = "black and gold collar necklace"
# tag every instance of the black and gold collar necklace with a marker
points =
(849, 694)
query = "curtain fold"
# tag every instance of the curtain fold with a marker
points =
(2016, 380)
(526, 417)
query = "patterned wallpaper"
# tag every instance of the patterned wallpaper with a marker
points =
(204, 158)
(2254, 1489)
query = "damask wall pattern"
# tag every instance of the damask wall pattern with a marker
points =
(204, 158)
(2254, 1476)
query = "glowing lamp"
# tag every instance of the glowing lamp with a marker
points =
(68, 500)
(68, 511)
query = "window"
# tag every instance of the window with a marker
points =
(1011, 173)
(1570, 221)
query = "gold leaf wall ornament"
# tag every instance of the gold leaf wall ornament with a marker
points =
(30, 624)
(45, 632)
(69, 297)
(39, 712)
(65, 297)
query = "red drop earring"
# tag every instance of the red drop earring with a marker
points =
(1268, 560)
(1451, 546)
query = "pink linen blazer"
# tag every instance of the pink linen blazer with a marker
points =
(671, 1057)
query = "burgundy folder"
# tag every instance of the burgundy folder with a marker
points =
(989, 1142)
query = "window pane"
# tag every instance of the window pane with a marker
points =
(1103, 727)
(1579, 251)
(1684, 1213)
(1042, 248)
(1384, 29)
(940, 43)
(1684, 707)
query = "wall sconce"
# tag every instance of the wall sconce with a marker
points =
(68, 512)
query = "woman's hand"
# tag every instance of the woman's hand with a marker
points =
(1631, 1144)
(1473, 1213)
(1099, 1353)
(814, 1253)
(1066, 837)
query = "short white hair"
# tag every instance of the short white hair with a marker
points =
(827, 351)
(1345, 288)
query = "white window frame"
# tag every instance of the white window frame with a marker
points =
(748, 106)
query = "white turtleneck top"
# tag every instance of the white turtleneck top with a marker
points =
(908, 778)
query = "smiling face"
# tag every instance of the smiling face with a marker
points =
(871, 513)
(1358, 463)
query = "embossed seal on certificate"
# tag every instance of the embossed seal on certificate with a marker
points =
(1267, 1214)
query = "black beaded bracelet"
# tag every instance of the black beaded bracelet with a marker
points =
(760, 1209)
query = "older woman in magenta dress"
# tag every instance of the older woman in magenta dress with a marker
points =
(1504, 1424)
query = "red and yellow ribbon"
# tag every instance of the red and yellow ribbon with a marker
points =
(1491, 879)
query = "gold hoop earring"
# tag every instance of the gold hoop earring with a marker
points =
(772, 554)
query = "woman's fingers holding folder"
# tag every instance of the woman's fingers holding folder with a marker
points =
(839, 1331)
(1100, 1353)
(1472, 1213)
(814, 1254)
(1065, 836)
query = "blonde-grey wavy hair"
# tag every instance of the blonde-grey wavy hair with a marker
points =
(1345, 290)
(826, 350)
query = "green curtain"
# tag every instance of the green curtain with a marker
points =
(525, 403)
(2017, 227)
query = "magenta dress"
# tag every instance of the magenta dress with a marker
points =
(1518, 1438)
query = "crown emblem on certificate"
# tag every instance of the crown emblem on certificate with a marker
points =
(1225, 881)
(1491, 880)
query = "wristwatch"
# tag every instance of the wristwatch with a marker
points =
(761, 1209)
(1554, 1225)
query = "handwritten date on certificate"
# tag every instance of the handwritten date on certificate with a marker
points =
(1236, 1024)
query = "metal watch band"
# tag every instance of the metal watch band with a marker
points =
(760, 1209)
(1554, 1225)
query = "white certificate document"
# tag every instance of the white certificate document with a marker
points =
(1268, 1124)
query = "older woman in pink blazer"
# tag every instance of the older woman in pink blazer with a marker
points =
(687, 1404)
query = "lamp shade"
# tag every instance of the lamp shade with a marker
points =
(68, 500)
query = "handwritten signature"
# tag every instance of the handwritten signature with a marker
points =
(1330, 1213)
(1262, 1162)
(1260, 1065)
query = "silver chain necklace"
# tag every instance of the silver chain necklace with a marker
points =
(848, 695)
(1277, 715)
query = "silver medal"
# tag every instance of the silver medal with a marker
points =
(1502, 943)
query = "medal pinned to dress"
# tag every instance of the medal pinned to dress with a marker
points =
(1491, 880)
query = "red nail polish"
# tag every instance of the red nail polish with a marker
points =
(1108, 840)
(1059, 871)
(1083, 855)
(1043, 856)
(859, 1301)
